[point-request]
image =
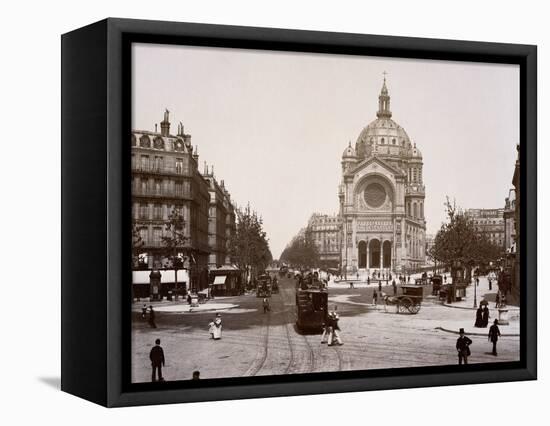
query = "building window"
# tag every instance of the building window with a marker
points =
(144, 162)
(158, 187)
(145, 142)
(179, 189)
(157, 236)
(382, 141)
(159, 143)
(393, 141)
(144, 211)
(143, 235)
(179, 166)
(134, 140)
(157, 212)
(159, 162)
(415, 210)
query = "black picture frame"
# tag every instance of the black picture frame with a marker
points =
(96, 205)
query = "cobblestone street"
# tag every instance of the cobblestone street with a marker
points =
(254, 343)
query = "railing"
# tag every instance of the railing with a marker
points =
(161, 170)
(162, 193)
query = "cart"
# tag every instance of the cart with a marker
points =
(409, 302)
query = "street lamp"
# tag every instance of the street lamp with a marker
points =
(475, 292)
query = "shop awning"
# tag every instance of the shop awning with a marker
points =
(219, 280)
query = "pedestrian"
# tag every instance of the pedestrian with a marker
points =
(445, 278)
(494, 334)
(351, 284)
(157, 361)
(218, 327)
(357, 275)
(265, 304)
(394, 287)
(490, 284)
(408, 279)
(479, 317)
(152, 317)
(189, 298)
(211, 329)
(144, 311)
(497, 304)
(463, 347)
(327, 330)
(380, 286)
(368, 280)
(485, 316)
(196, 375)
(477, 281)
(334, 335)
(375, 298)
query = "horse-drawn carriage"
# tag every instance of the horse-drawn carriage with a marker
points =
(437, 282)
(408, 302)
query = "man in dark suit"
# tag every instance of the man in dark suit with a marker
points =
(463, 347)
(152, 322)
(494, 334)
(157, 361)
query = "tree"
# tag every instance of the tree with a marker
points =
(302, 251)
(174, 242)
(459, 242)
(248, 245)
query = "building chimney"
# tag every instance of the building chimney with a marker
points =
(156, 128)
(165, 124)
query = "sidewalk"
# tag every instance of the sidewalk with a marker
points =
(467, 303)
(183, 307)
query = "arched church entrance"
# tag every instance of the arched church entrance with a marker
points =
(374, 253)
(386, 249)
(362, 255)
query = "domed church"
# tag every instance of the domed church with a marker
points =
(382, 198)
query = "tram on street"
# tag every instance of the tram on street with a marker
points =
(311, 308)
(263, 288)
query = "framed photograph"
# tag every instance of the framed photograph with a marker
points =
(255, 212)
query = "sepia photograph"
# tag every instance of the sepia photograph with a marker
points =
(297, 213)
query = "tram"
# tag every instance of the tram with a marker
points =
(311, 308)
(264, 286)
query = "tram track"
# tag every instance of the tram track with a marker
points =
(259, 363)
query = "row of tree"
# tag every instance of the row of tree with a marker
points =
(458, 242)
(302, 251)
(249, 245)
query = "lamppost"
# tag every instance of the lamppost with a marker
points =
(475, 291)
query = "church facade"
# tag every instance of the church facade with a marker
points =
(382, 198)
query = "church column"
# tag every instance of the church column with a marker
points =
(368, 255)
(381, 252)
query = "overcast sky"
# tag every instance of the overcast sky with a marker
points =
(275, 124)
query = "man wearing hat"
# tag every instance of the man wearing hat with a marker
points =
(494, 334)
(157, 361)
(463, 347)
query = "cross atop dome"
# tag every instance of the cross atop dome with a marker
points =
(384, 101)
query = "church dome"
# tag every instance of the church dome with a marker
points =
(349, 152)
(383, 132)
(415, 152)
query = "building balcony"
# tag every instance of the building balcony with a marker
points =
(163, 194)
(161, 170)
